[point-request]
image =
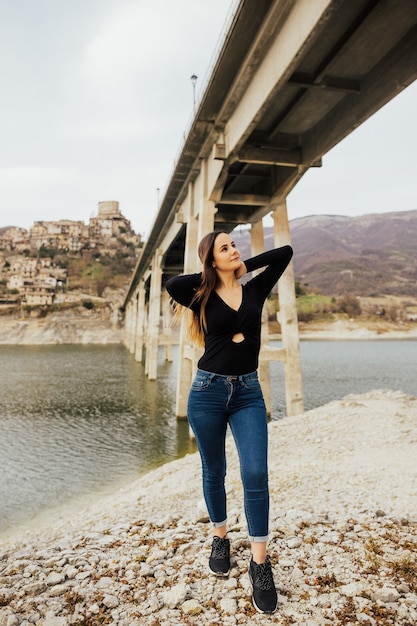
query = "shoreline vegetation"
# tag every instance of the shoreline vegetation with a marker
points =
(342, 537)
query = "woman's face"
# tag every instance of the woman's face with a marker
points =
(226, 257)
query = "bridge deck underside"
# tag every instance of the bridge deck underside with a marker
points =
(358, 57)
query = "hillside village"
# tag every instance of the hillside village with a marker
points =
(34, 263)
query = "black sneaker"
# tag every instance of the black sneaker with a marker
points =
(219, 562)
(264, 595)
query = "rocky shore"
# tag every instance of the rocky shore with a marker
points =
(343, 543)
(104, 328)
(343, 329)
(64, 329)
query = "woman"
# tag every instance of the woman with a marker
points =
(226, 320)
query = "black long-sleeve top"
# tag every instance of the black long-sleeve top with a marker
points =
(221, 354)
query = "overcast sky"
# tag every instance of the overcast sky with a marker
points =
(96, 96)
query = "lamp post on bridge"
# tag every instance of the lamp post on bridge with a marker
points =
(194, 81)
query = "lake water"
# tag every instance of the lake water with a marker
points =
(80, 421)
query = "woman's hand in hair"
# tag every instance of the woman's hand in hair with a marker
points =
(241, 271)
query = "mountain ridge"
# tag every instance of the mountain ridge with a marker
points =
(372, 254)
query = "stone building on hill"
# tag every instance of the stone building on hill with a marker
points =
(109, 222)
(63, 234)
(31, 277)
(74, 235)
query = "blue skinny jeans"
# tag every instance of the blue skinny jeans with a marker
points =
(216, 401)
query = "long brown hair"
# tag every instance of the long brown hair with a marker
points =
(197, 322)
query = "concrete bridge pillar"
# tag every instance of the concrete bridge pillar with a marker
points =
(127, 326)
(129, 338)
(197, 227)
(166, 326)
(184, 370)
(185, 364)
(288, 317)
(205, 220)
(134, 324)
(257, 247)
(154, 314)
(140, 325)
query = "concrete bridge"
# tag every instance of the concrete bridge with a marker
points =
(291, 80)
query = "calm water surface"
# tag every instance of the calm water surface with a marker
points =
(80, 421)
(76, 420)
(333, 369)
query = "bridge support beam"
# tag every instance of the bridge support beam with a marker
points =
(197, 227)
(185, 365)
(154, 315)
(140, 324)
(131, 313)
(257, 247)
(288, 317)
(166, 325)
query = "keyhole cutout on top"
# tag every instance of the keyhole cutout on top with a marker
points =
(238, 338)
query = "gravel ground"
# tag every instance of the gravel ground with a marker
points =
(343, 543)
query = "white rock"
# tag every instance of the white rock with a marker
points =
(331, 537)
(146, 569)
(157, 555)
(230, 583)
(228, 606)
(175, 596)
(386, 594)
(297, 573)
(58, 590)
(130, 574)
(324, 600)
(291, 612)
(104, 582)
(153, 605)
(111, 602)
(35, 588)
(364, 618)
(55, 578)
(351, 590)
(161, 579)
(200, 513)
(71, 572)
(191, 607)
